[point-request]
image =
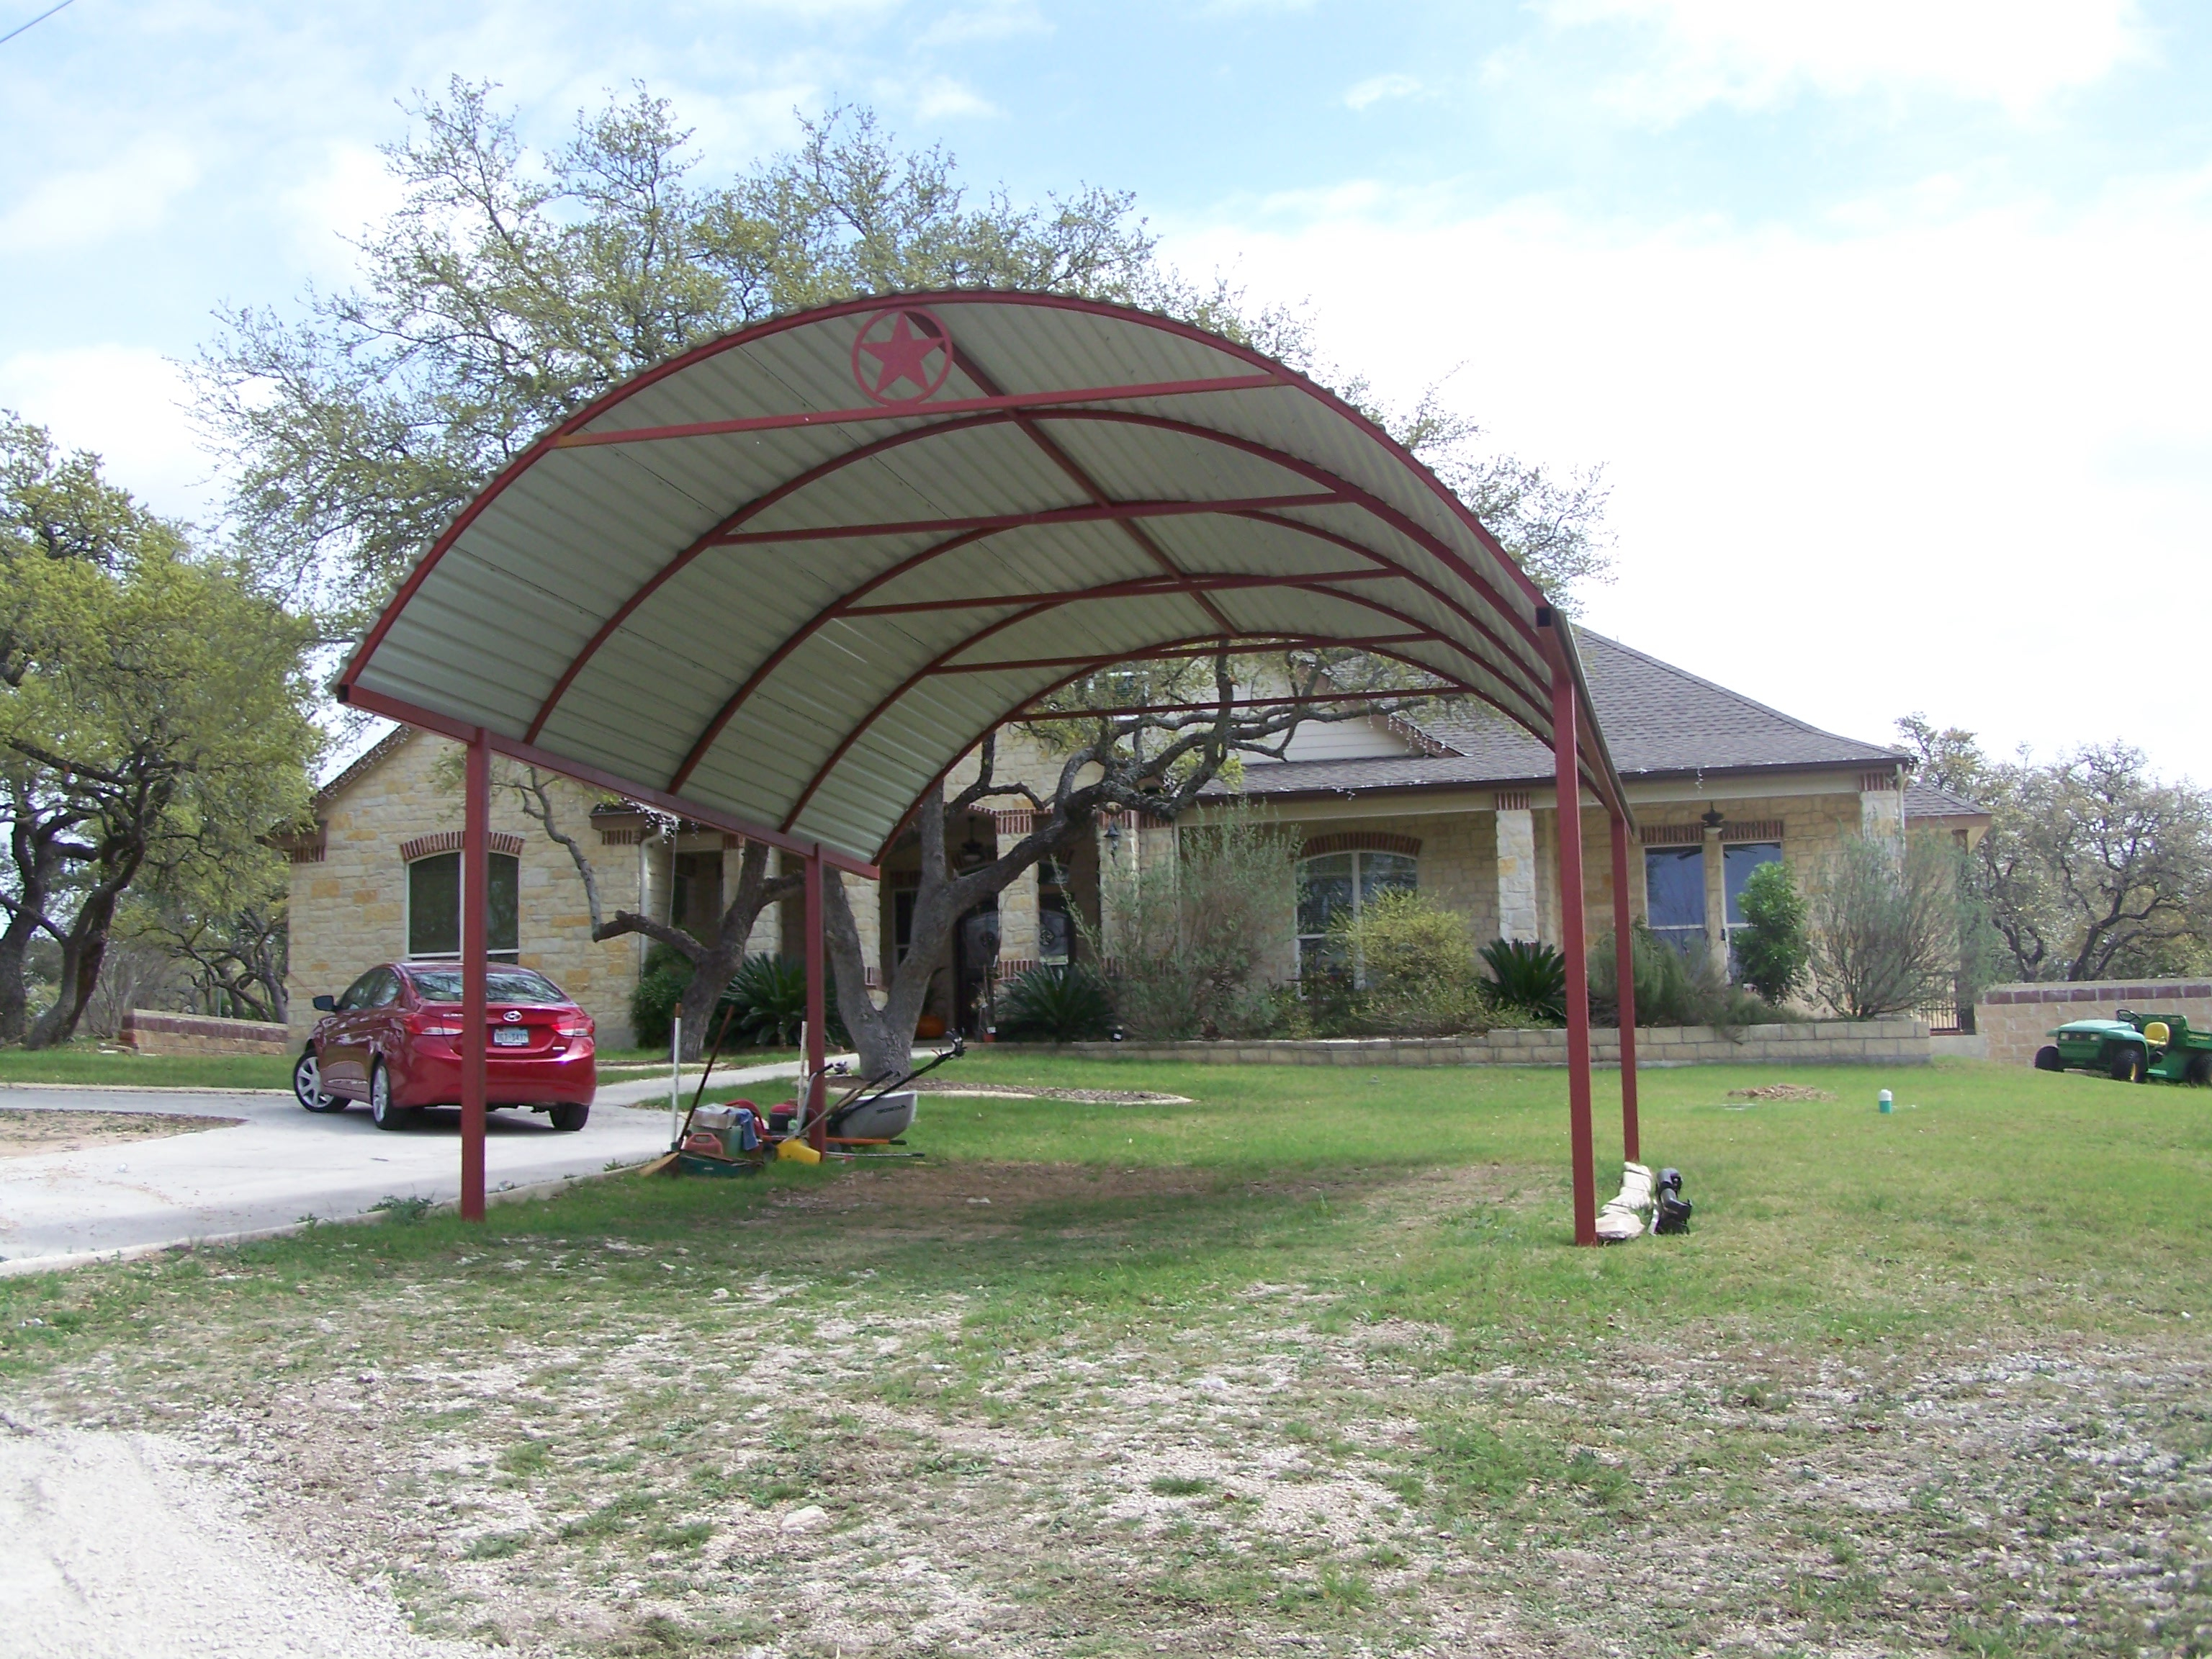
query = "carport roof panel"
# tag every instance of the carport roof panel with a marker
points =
(757, 581)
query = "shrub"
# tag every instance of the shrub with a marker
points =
(1673, 988)
(1773, 949)
(659, 989)
(1187, 939)
(1417, 965)
(1066, 1003)
(766, 1001)
(1527, 976)
(1886, 925)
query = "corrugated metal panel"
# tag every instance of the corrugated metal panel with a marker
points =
(512, 602)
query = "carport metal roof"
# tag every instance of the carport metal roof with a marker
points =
(782, 583)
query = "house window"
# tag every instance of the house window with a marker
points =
(1343, 885)
(433, 906)
(1055, 926)
(1675, 894)
(1738, 861)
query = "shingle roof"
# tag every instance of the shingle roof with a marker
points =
(1925, 800)
(1659, 720)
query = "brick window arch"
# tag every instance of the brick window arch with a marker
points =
(1339, 876)
(433, 899)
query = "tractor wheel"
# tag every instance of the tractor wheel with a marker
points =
(2047, 1059)
(2128, 1065)
(2199, 1074)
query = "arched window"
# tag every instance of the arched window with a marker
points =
(434, 907)
(1333, 884)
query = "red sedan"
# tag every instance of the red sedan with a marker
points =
(393, 1040)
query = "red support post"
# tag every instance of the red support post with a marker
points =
(1623, 961)
(1573, 929)
(475, 908)
(818, 1013)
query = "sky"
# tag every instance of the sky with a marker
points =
(1888, 322)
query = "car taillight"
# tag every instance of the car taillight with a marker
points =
(578, 1024)
(433, 1025)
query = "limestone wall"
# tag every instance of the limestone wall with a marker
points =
(349, 892)
(2015, 1020)
(152, 1032)
(1811, 1043)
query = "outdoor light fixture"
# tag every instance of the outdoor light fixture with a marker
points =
(1114, 837)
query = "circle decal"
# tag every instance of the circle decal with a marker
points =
(902, 355)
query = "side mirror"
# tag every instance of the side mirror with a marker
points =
(326, 1004)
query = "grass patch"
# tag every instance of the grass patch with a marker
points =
(86, 1063)
(1930, 1382)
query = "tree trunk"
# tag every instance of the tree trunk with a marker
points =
(38, 848)
(83, 948)
(882, 1036)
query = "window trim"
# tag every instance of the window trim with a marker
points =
(1394, 847)
(512, 953)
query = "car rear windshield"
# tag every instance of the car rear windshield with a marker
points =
(501, 985)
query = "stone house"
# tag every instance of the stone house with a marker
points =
(1461, 807)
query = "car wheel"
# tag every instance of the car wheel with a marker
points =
(381, 1111)
(308, 1085)
(568, 1114)
(2047, 1058)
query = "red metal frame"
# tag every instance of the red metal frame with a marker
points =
(1623, 967)
(1020, 400)
(1242, 703)
(1137, 588)
(476, 906)
(1574, 946)
(713, 818)
(817, 1013)
(1534, 654)
(1043, 519)
(936, 664)
(1247, 644)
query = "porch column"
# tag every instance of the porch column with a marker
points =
(1018, 900)
(1623, 967)
(1573, 926)
(817, 1011)
(1517, 867)
(476, 907)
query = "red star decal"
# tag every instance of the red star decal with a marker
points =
(903, 356)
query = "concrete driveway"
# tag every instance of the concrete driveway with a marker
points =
(280, 1164)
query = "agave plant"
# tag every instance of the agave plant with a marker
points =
(767, 1001)
(1064, 1003)
(1528, 975)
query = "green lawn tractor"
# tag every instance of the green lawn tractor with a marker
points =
(2133, 1048)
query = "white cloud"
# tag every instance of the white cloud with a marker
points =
(1376, 88)
(995, 20)
(1755, 54)
(76, 209)
(128, 406)
(1856, 471)
(940, 96)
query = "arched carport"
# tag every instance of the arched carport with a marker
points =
(780, 584)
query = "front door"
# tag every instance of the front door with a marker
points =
(344, 1054)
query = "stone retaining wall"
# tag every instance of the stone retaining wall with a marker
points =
(152, 1032)
(2014, 1019)
(1822, 1042)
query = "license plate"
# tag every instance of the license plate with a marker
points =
(509, 1037)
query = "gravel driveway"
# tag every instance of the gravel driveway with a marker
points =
(274, 1165)
(124, 1547)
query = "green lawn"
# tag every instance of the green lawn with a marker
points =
(86, 1064)
(1310, 1357)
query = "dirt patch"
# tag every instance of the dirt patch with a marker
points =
(1085, 1097)
(24, 1133)
(1781, 1091)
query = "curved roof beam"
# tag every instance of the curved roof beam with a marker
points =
(1345, 492)
(892, 698)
